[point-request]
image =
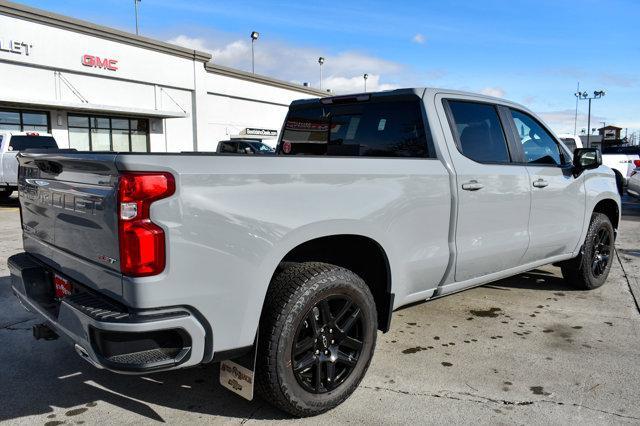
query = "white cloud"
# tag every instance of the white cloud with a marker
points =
(496, 92)
(342, 71)
(419, 38)
(562, 121)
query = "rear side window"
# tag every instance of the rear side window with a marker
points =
(479, 132)
(393, 128)
(21, 143)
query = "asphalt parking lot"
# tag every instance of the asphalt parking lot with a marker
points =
(528, 349)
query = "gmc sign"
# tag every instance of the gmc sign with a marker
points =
(97, 62)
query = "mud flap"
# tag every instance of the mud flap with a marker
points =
(238, 375)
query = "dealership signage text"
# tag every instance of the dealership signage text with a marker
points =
(15, 46)
(98, 62)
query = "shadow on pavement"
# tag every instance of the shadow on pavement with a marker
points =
(11, 202)
(535, 279)
(39, 375)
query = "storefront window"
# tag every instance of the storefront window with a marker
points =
(24, 121)
(108, 133)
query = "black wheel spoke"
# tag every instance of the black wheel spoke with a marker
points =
(327, 318)
(303, 346)
(343, 312)
(318, 376)
(305, 363)
(351, 343)
(350, 321)
(346, 359)
(331, 375)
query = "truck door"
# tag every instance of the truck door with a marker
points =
(494, 195)
(9, 164)
(557, 198)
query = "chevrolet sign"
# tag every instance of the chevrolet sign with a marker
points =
(15, 46)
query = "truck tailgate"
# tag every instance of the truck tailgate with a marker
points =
(69, 215)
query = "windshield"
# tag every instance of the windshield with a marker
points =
(21, 143)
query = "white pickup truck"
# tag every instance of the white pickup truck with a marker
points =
(621, 159)
(12, 142)
(150, 262)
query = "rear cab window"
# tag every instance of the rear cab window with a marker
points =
(24, 142)
(359, 128)
(478, 131)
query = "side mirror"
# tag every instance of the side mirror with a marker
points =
(586, 159)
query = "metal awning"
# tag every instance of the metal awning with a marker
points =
(90, 108)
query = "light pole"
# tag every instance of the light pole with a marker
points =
(575, 120)
(365, 76)
(135, 6)
(254, 37)
(320, 61)
(582, 96)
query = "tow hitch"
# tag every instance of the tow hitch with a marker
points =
(42, 331)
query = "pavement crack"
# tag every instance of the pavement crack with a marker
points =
(481, 399)
(253, 413)
(626, 278)
(10, 326)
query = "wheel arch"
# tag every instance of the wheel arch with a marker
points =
(360, 254)
(609, 208)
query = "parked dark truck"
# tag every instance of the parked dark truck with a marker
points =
(150, 262)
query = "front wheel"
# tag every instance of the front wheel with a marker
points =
(317, 336)
(591, 268)
(4, 195)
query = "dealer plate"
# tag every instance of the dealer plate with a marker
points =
(237, 379)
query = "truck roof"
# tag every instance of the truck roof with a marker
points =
(420, 91)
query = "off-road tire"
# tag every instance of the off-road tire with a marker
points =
(293, 293)
(578, 271)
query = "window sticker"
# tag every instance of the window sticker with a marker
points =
(381, 124)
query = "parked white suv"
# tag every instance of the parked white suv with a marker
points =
(12, 142)
(621, 159)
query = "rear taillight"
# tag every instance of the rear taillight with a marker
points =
(142, 242)
(636, 163)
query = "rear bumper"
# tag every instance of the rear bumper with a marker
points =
(108, 335)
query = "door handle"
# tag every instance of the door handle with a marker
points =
(472, 185)
(540, 183)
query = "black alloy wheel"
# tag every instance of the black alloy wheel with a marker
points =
(327, 344)
(601, 252)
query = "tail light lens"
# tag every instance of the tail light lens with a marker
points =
(142, 242)
(636, 163)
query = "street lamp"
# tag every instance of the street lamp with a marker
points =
(135, 6)
(597, 94)
(254, 37)
(320, 61)
(365, 77)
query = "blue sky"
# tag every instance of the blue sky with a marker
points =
(529, 51)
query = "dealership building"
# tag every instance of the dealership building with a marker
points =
(97, 88)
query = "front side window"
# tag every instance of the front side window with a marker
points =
(479, 132)
(393, 128)
(538, 145)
